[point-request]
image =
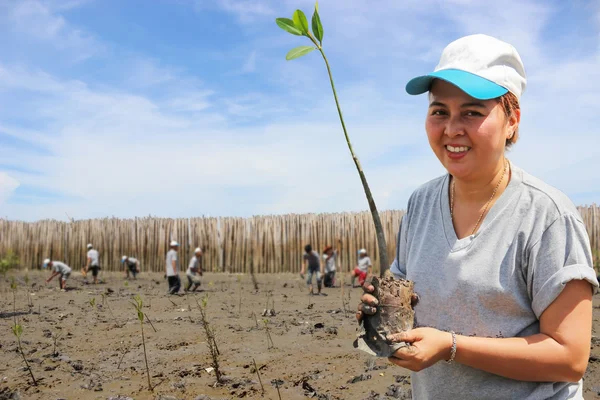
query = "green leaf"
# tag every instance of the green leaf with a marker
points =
(288, 25)
(316, 6)
(300, 21)
(140, 316)
(17, 330)
(316, 25)
(298, 52)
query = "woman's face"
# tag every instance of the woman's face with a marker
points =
(467, 135)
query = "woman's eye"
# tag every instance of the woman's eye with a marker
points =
(473, 114)
(438, 112)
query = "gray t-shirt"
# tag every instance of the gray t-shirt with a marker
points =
(314, 263)
(93, 254)
(172, 256)
(61, 267)
(194, 266)
(496, 283)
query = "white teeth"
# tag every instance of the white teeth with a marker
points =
(457, 149)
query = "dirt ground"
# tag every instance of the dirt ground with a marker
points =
(99, 354)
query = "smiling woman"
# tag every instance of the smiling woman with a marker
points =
(501, 261)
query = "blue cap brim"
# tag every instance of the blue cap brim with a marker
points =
(473, 85)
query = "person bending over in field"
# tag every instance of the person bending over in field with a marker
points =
(93, 262)
(312, 264)
(194, 271)
(132, 265)
(363, 268)
(58, 268)
(329, 257)
(172, 268)
(501, 261)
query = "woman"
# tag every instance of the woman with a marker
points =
(501, 261)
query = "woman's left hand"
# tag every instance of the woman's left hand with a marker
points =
(427, 346)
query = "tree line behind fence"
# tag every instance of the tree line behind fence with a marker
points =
(269, 244)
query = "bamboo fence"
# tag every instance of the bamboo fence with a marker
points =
(269, 244)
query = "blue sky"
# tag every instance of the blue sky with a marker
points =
(185, 108)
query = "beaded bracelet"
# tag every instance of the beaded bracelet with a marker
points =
(453, 349)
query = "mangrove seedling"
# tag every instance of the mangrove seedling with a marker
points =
(298, 26)
(18, 331)
(259, 380)
(210, 338)
(13, 287)
(270, 343)
(138, 305)
(55, 339)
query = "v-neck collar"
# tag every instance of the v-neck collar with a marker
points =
(454, 242)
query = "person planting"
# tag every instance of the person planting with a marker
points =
(132, 265)
(93, 262)
(58, 268)
(363, 268)
(501, 261)
(312, 264)
(172, 268)
(194, 271)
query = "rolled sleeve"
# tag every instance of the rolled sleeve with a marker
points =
(561, 255)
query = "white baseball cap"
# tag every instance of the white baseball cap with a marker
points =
(46, 262)
(174, 243)
(362, 251)
(123, 259)
(481, 66)
(89, 246)
(198, 250)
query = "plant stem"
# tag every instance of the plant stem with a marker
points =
(258, 374)
(383, 259)
(15, 306)
(151, 324)
(145, 357)
(26, 363)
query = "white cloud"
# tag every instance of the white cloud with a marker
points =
(37, 20)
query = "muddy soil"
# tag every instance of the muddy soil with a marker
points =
(99, 354)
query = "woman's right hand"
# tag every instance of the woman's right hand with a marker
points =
(368, 303)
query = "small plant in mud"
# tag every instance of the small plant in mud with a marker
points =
(239, 280)
(17, 330)
(270, 344)
(13, 287)
(105, 303)
(55, 339)
(29, 301)
(259, 380)
(138, 305)
(93, 302)
(209, 333)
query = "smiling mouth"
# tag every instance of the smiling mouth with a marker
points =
(458, 149)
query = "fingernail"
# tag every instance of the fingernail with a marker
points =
(375, 302)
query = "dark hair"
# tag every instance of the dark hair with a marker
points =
(510, 103)
(308, 248)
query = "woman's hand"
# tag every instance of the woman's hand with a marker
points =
(427, 346)
(368, 303)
